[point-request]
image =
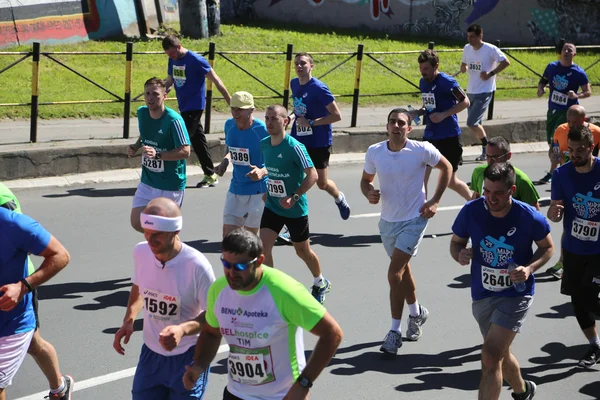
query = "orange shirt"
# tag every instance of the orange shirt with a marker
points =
(560, 137)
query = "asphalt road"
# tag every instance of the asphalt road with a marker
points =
(83, 306)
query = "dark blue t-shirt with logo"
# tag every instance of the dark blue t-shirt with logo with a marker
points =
(189, 74)
(495, 241)
(438, 97)
(19, 236)
(562, 79)
(311, 101)
(580, 194)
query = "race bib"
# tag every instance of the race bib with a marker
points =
(475, 66)
(239, 156)
(495, 279)
(251, 366)
(276, 188)
(428, 101)
(585, 230)
(303, 130)
(179, 75)
(152, 164)
(559, 98)
(160, 306)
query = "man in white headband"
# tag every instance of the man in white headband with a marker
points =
(171, 281)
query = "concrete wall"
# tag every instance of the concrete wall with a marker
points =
(522, 22)
(65, 21)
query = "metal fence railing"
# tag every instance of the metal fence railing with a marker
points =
(360, 55)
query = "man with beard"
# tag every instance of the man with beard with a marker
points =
(575, 200)
(502, 231)
(261, 312)
(171, 282)
(166, 146)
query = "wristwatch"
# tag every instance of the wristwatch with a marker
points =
(311, 122)
(296, 197)
(157, 156)
(304, 382)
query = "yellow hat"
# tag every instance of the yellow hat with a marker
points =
(242, 100)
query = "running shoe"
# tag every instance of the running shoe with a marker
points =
(414, 332)
(66, 393)
(556, 270)
(590, 358)
(530, 388)
(391, 343)
(319, 292)
(284, 236)
(547, 178)
(208, 181)
(482, 157)
(343, 207)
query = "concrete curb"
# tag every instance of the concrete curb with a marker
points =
(133, 174)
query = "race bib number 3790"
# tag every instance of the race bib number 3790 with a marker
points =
(585, 230)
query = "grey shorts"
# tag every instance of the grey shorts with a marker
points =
(403, 235)
(507, 312)
(479, 104)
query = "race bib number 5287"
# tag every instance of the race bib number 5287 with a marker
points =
(152, 164)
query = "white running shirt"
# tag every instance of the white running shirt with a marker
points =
(173, 294)
(483, 60)
(401, 175)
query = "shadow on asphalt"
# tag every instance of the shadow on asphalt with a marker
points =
(462, 282)
(592, 390)
(138, 325)
(71, 290)
(337, 240)
(437, 235)
(116, 299)
(92, 192)
(561, 311)
(204, 246)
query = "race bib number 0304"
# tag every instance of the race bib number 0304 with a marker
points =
(559, 98)
(240, 155)
(251, 366)
(495, 279)
(152, 164)
(585, 230)
(276, 188)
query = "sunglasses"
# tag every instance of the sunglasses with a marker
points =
(237, 266)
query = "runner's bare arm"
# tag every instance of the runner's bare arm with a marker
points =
(444, 179)
(462, 70)
(330, 336)
(458, 245)
(586, 91)
(206, 346)
(555, 211)
(180, 153)
(542, 86)
(334, 115)
(171, 335)
(134, 306)
(214, 78)
(56, 257)
(168, 83)
(545, 249)
(309, 180)
(367, 188)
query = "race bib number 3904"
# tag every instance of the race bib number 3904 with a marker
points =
(559, 98)
(251, 366)
(585, 230)
(161, 306)
(276, 188)
(152, 164)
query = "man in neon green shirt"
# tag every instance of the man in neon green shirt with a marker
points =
(42, 351)
(498, 150)
(261, 312)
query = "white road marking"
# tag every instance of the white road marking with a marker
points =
(447, 208)
(101, 380)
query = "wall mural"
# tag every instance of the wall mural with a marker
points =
(575, 20)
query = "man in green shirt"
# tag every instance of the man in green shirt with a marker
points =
(291, 174)
(498, 150)
(166, 146)
(42, 351)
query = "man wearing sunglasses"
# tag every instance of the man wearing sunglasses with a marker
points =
(576, 201)
(171, 282)
(498, 150)
(261, 313)
(291, 175)
(502, 231)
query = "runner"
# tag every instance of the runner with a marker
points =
(576, 201)
(188, 71)
(483, 61)
(401, 164)
(502, 230)
(170, 281)
(442, 100)
(21, 235)
(43, 352)
(315, 110)
(291, 175)
(564, 78)
(498, 151)
(244, 203)
(261, 312)
(560, 150)
(166, 146)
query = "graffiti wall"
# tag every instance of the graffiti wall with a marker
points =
(52, 21)
(524, 22)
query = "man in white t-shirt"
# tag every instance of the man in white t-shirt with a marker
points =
(171, 282)
(401, 164)
(483, 61)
